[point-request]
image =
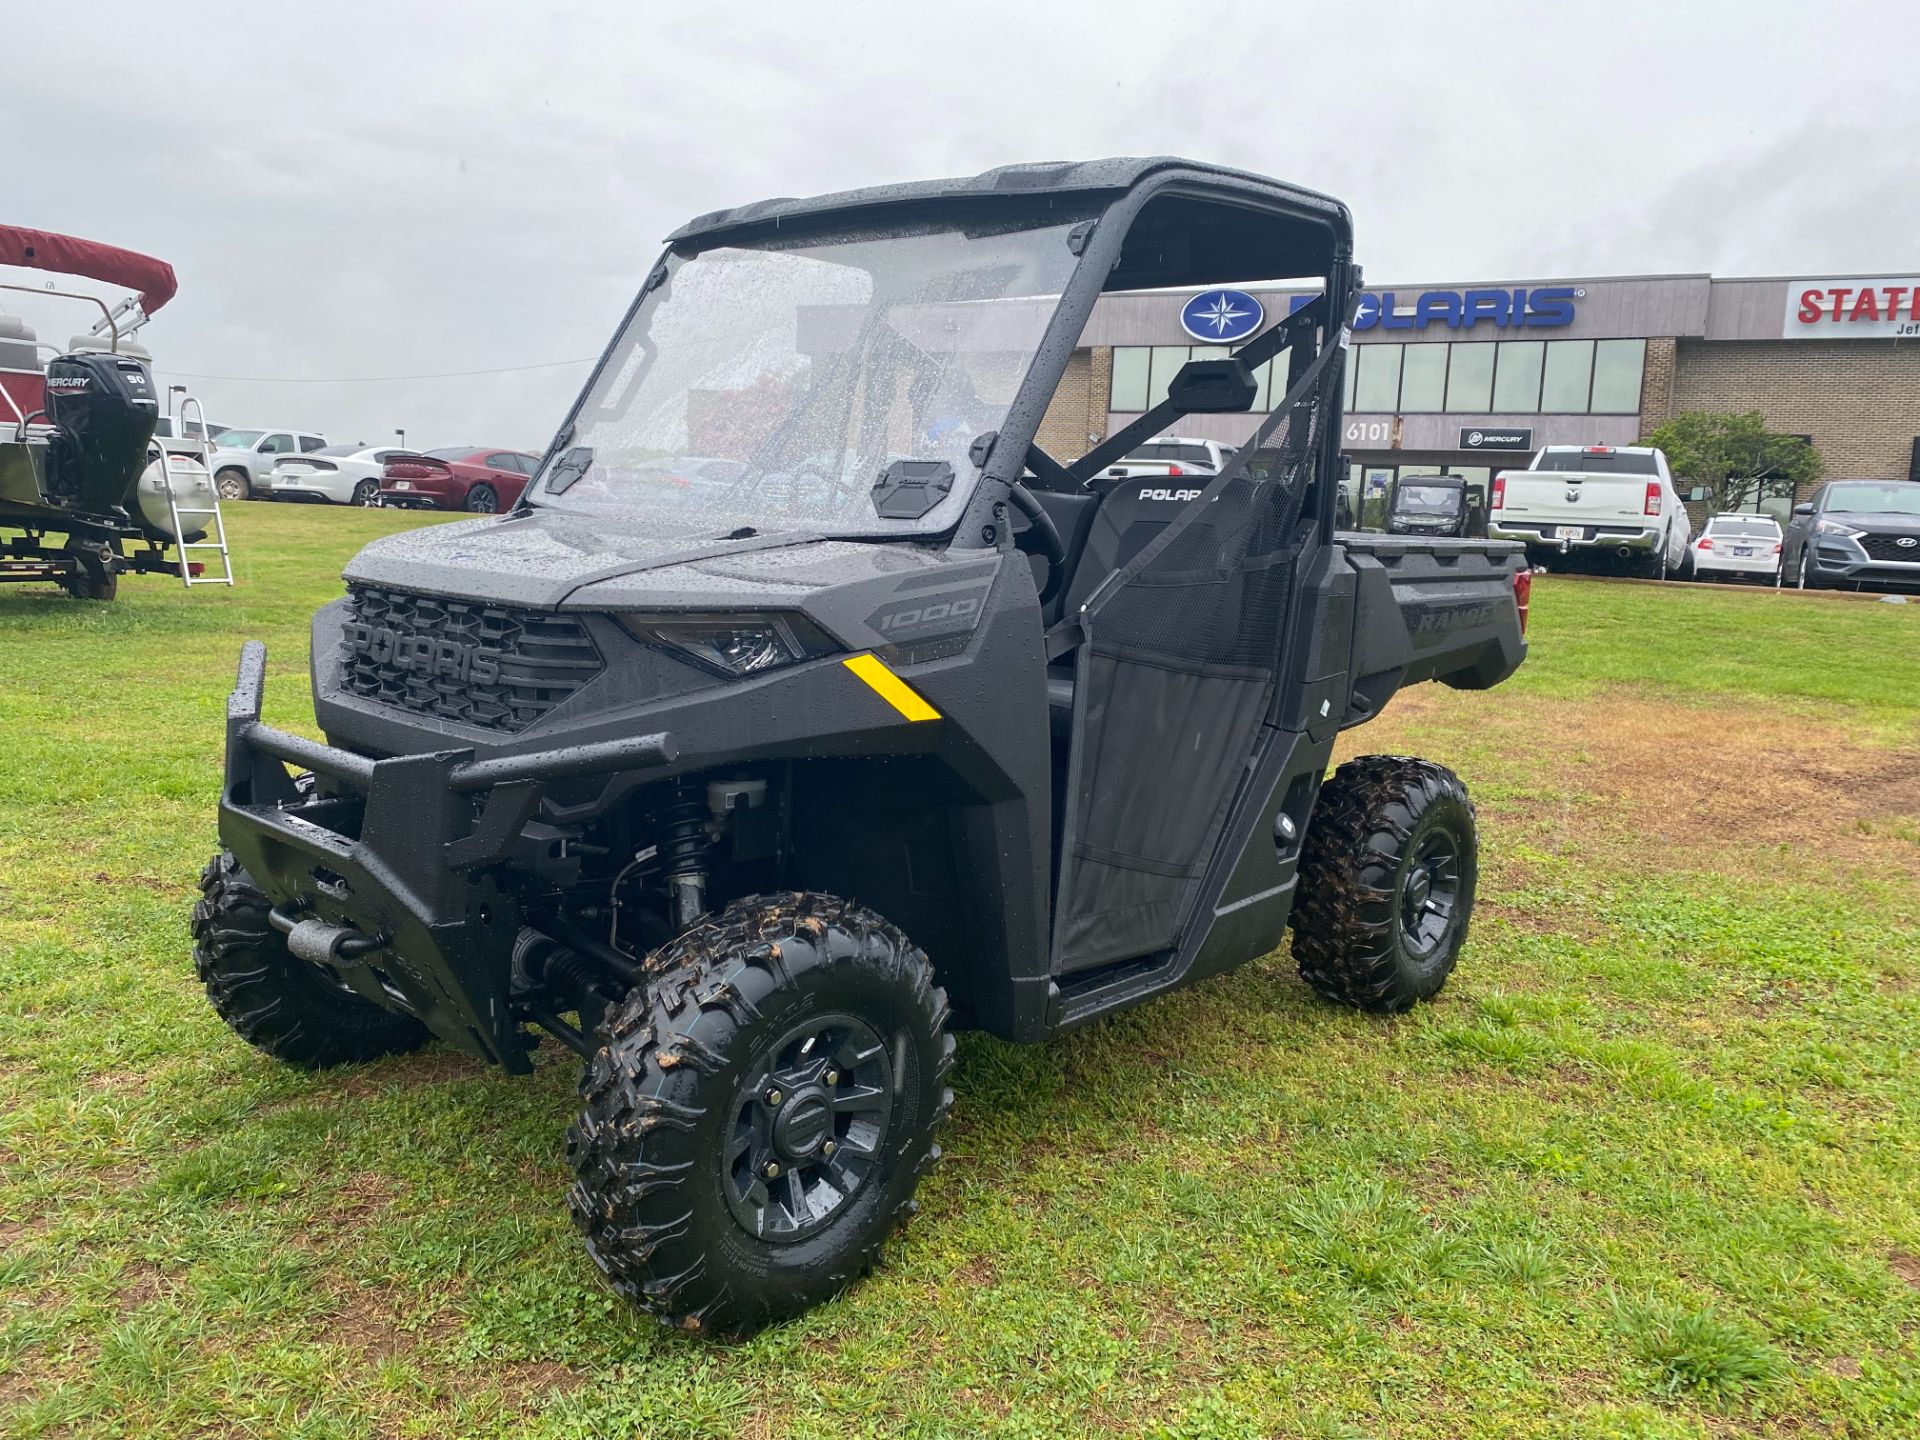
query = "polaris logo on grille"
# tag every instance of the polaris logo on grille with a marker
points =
(436, 659)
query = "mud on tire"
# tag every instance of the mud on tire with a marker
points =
(798, 1032)
(273, 1001)
(1387, 880)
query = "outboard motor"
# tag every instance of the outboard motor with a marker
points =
(104, 410)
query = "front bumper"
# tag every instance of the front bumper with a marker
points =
(1548, 536)
(384, 876)
(1839, 560)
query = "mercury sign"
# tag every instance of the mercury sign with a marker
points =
(1851, 309)
(1548, 306)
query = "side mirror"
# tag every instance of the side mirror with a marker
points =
(1803, 509)
(1213, 387)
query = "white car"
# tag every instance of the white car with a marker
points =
(343, 474)
(1173, 455)
(243, 460)
(1739, 546)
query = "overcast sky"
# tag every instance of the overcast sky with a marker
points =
(377, 190)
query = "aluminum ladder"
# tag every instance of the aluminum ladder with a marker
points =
(177, 510)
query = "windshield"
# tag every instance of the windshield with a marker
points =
(1611, 462)
(1755, 528)
(240, 439)
(770, 388)
(1427, 499)
(1865, 497)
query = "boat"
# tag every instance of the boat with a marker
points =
(87, 491)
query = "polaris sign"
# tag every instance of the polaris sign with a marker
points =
(1544, 308)
(1221, 316)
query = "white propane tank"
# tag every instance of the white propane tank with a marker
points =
(192, 490)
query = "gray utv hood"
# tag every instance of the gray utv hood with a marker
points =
(546, 559)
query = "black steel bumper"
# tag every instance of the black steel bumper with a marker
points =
(390, 875)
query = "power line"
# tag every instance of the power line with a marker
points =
(371, 379)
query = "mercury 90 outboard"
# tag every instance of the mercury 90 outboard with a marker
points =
(84, 464)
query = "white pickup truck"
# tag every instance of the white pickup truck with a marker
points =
(1595, 501)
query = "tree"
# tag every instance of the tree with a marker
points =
(1736, 458)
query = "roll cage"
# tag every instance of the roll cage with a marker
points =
(1159, 222)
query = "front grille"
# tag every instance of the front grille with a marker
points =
(1888, 547)
(457, 660)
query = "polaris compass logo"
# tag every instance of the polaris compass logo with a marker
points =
(1220, 317)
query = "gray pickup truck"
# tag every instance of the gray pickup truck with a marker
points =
(668, 764)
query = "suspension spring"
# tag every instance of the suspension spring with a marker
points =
(684, 843)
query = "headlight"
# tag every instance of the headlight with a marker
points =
(735, 645)
(1834, 527)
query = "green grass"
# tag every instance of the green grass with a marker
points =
(1648, 1167)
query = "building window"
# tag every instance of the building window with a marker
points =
(1128, 390)
(1349, 367)
(1617, 368)
(1516, 379)
(1161, 368)
(1470, 378)
(1568, 378)
(1378, 387)
(1423, 379)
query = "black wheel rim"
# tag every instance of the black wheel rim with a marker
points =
(481, 501)
(1430, 894)
(809, 1127)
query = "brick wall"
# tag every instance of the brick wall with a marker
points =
(1858, 399)
(1656, 384)
(1079, 407)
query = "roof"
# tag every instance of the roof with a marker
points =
(67, 255)
(1031, 180)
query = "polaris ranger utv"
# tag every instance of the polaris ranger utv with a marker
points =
(807, 709)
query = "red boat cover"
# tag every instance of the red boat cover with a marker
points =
(65, 255)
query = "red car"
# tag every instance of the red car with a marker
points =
(465, 477)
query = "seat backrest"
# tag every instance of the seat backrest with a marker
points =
(1130, 514)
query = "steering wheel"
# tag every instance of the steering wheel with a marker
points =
(1052, 548)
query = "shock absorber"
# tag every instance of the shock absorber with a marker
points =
(684, 843)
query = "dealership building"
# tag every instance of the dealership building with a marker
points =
(1468, 378)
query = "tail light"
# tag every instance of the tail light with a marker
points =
(1523, 594)
(1776, 547)
(1499, 500)
(1175, 470)
(1598, 450)
(1653, 497)
(1706, 543)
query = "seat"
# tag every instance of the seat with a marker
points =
(1126, 516)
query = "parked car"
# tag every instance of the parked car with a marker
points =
(1595, 501)
(1854, 533)
(1738, 547)
(1431, 505)
(342, 474)
(243, 460)
(463, 477)
(1174, 455)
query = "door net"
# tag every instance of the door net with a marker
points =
(1174, 675)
